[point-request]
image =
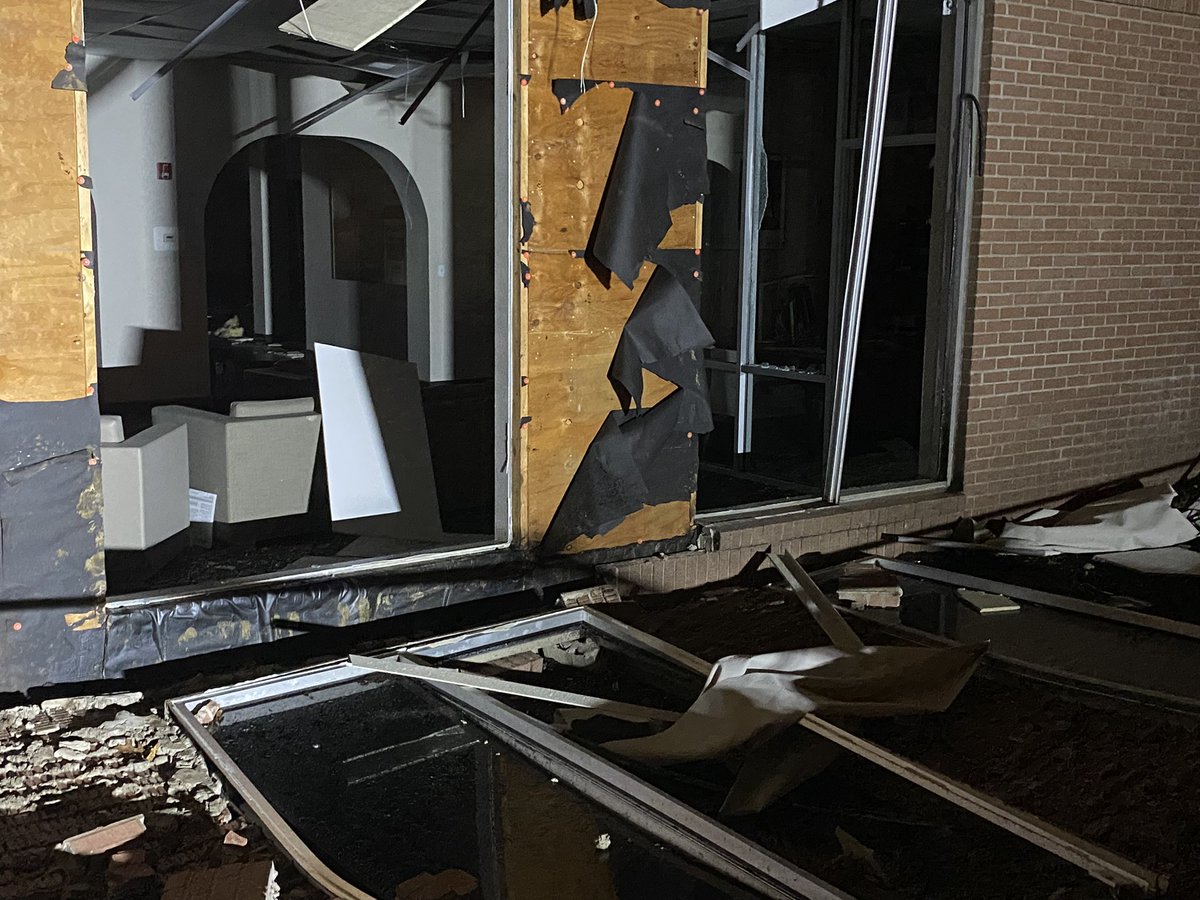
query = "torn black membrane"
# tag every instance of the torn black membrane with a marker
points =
(584, 9)
(74, 76)
(660, 165)
(636, 459)
(527, 222)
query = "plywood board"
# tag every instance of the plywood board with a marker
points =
(640, 41)
(574, 326)
(570, 156)
(684, 233)
(571, 321)
(47, 326)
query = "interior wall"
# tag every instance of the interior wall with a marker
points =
(358, 315)
(222, 108)
(136, 217)
(1086, 320)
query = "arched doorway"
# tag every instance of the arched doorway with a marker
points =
(315, 239)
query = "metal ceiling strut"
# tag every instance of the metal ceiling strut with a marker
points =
(234, 8)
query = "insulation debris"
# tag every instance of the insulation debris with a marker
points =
(601, 593)
(208, 713)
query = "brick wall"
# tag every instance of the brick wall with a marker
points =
(821, 530)
(1084, 355)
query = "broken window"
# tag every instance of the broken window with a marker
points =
(790, 421)
(299, 362)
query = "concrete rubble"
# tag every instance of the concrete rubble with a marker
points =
(93, 773)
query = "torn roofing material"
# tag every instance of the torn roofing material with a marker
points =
(636, 459)
(1136, 520)
(660, 165)
(664, 335)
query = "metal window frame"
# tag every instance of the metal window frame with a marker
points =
(754, 206)
(960, 195)
(504, 400)
(615, 789)
(504, 82)
(633, 800)
(860, 246)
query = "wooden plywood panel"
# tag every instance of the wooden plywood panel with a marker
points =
(684, 233)
(650, 523)
(574, 325)
(571, 323)
(47, 324)
(570, 156)
(640, 41)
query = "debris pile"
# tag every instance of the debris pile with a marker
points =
(100, 797)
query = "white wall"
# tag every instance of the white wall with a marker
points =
(222, 108)
(366, 316)
(423, 147)
(139, 277)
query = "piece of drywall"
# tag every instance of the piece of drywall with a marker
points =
(376, 446)
(571, 320)
(47, 324)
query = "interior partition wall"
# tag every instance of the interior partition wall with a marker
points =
(834, 289)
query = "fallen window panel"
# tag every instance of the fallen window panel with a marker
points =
(368, 783)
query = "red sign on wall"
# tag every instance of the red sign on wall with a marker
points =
(164, 171)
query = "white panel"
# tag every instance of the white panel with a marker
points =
(350, 24)
(360, 478)
(776, 12)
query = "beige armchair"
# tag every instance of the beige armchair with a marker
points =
(145, 484)
(258, 460)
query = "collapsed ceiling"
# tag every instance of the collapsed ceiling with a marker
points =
(161, 29)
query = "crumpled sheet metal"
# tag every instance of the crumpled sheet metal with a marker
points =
(749, 699)
(1137, 520)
